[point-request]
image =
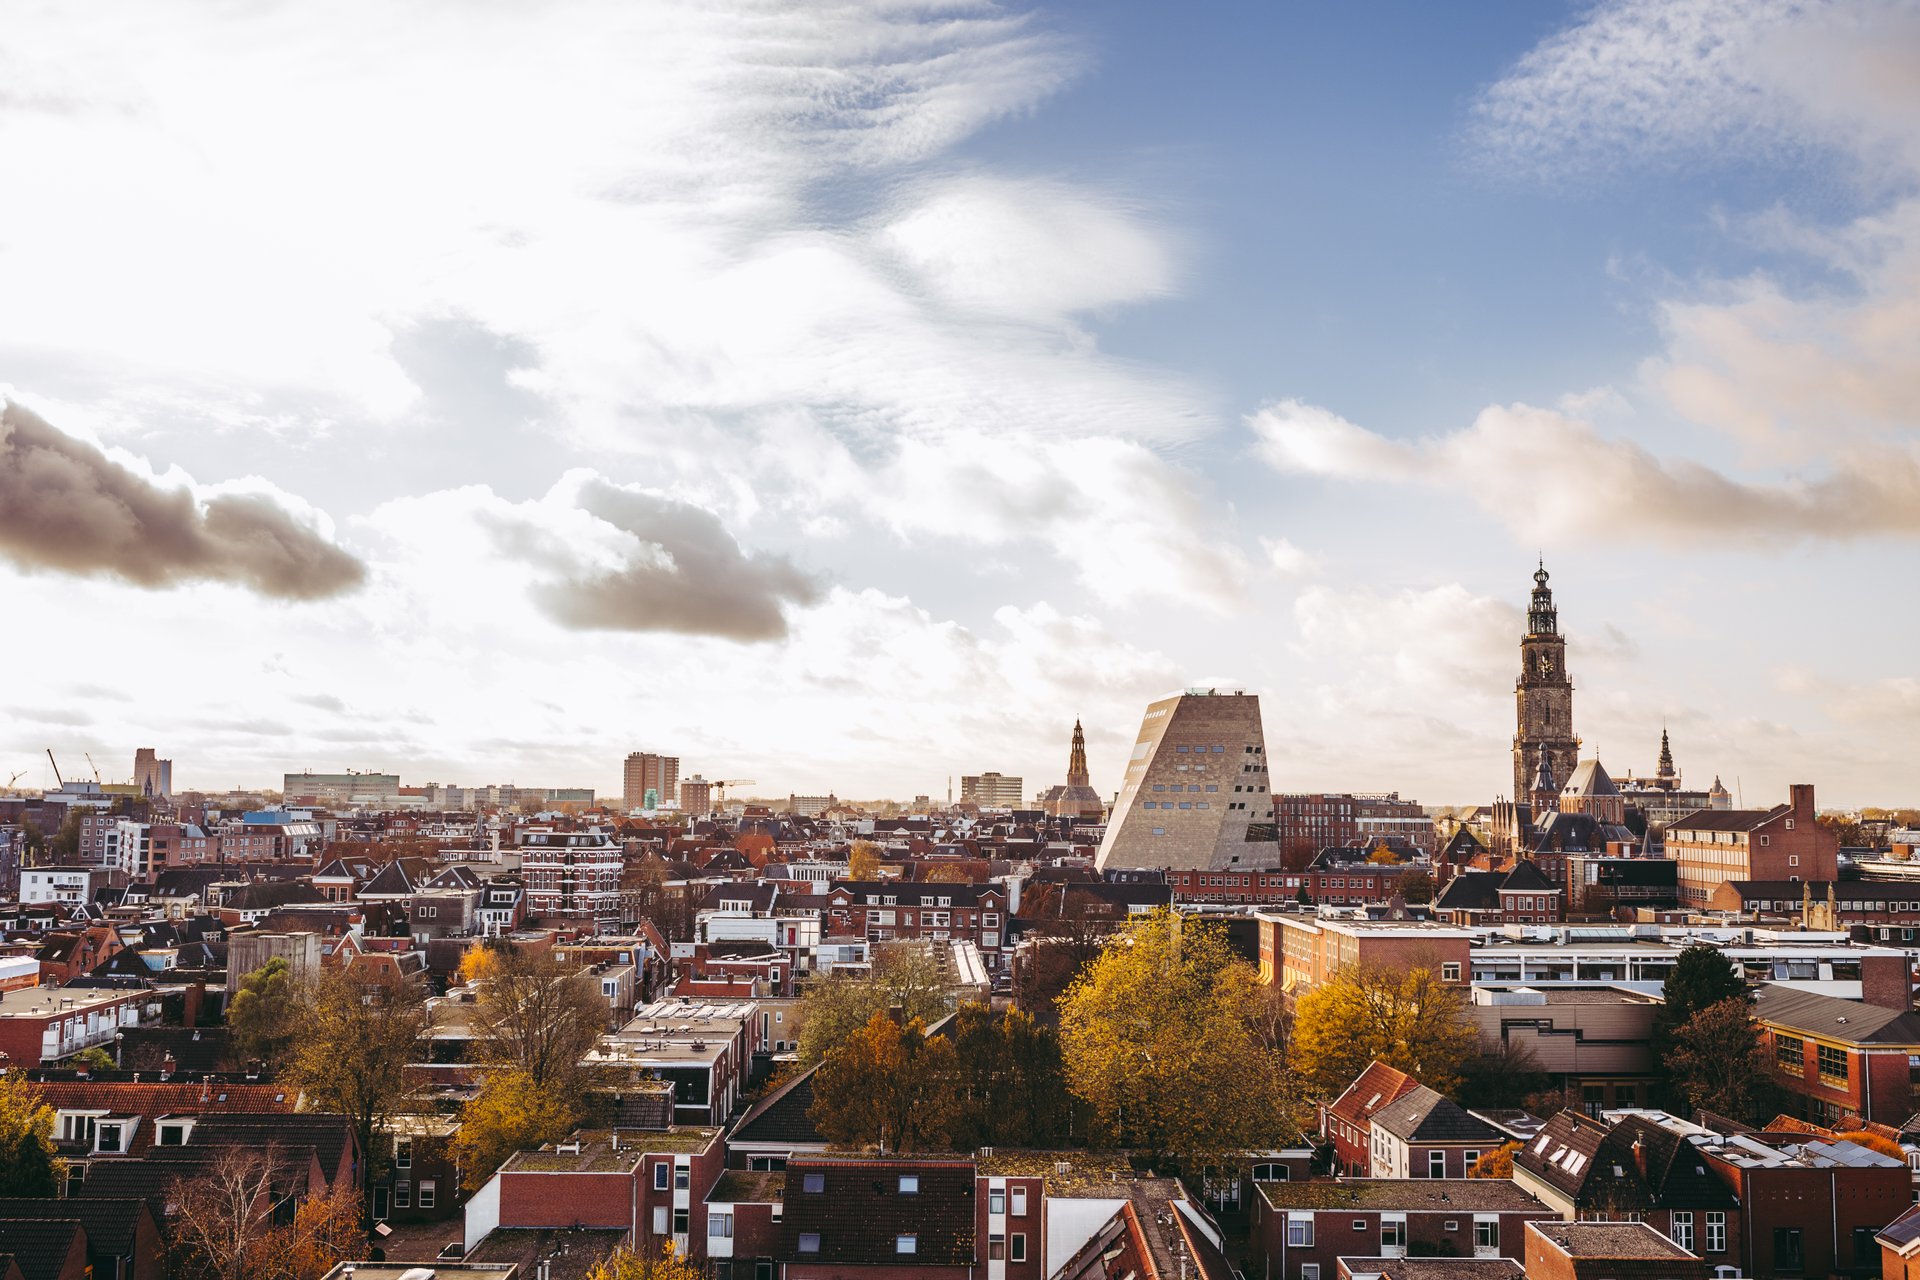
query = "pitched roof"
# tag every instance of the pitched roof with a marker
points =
(1593, 1164)
(1423, 1115)
(41, 1246)
(1526, 877)
(112, 1225)
(781, 1116)
(1372, 1089)
(1590, 778)
(1834, 1017)
(1471, 891)
(860, 1211)
(169, 1098)
(1726, 819)
(1903, 1232)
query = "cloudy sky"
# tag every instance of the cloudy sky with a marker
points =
(849, 395)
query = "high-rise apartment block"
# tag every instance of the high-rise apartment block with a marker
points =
(1196, 795)
(152, 776)
(650, 780)
(993, 790)
(696, 796)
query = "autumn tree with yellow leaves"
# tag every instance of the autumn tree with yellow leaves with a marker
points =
(638, 1264)
(1160, 1039)
(1404, 1016)
(510, 1113)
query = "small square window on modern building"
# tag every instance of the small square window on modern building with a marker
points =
(906, 1244)
(812, 1183)
(909, 1184)
(809, 1242)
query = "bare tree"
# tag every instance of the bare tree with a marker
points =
(358, 1033)
(541, 1016)
(222, 1220)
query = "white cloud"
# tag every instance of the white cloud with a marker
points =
(1288, 559)
(1553, 478)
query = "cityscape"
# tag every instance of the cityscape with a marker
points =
(768, 640)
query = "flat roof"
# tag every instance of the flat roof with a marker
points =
(1609, 1240)
(58, 1001)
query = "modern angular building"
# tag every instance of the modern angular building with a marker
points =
(1196, 795)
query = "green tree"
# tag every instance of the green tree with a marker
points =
(357, 1034)
(28, 1166)
(888, 1086)
(1702, 976)
(93, 1058)
(1158, 1040)
(65, 845)
(1719, 1062)
(1011, 1080)
(1415, 886)
(905, 975)
(510, 1113)
(1405, 1017)
(264, 1013)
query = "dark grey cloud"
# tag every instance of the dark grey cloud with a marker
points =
(689, 576)
(66, 506)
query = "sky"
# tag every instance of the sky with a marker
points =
(848, 396)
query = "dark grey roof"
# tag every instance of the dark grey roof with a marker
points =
(111, 1224)
(1834, 1017)
(1471, 891)
(1526, 877)
(1903, 1230)
(39, 1245)
(1423, 1116)
(1727, 819)
(1843, 891)
(781, 1116)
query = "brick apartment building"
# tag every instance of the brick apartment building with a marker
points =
(1841, 1057)
(1301, 1230)
(1785, 842)
(572, 877)
(889, 910)
(1606, 1251)
(1299, 952)
(1331, 880)
(1309, 822)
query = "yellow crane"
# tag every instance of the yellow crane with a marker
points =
(720, 789)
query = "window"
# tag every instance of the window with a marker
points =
(402, 1195)
(1790, 1053)
(428, 1189)
(1359, 1224)
(909, 1184)
(1833, 1064)
(812, 1183)
(1270, 1173)
(1393, 1233)
(1469, 1159)
(1793, 860)
(1436, 1164)
(680, 1217)
(173, 1135)
(1486, 1235)
(403, 1153)
(1309, 1271)
(1300, 1233)
(1019, 1202)
(1789, 1251)
(1683, 1229)
(906, 1244)
(809, 1242)
(660, 1221)
(660, 1178)
(1019, 1253)
(1716, 1231)
(996, 1247)
(763, 1269)
(996, 1202)
(680, 1174)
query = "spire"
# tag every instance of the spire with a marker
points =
(1545, 791)
(1542, 618)
(1666, 756)
(1077, 775)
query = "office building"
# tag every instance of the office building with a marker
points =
(992, 790)
(1196, 794)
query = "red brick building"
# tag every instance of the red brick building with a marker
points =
(1785, 842)
(887, 910)
(1347, 1121)
(1606, 1251)
(1301, 1230)
(1841, 1057)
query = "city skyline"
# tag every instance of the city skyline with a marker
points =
(1060, 359)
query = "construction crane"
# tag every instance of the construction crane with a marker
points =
(96, 768)
(720, 789)
(60, 781)
(15, 778)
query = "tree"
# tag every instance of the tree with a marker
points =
(540, 1015)
(264, 1013)
(1296, 853)
(28, 1166)
(904, 974)
(863, 861)
(1405, 1017)
(510, 1113)
(888, 1086)
(1383, 855)
(1849, 831)
(1875, 1142)
(628, 1264)
(1415, 886)
(1157, 1039)
(222, 1220)
(357, 1034)
(1719, 1062)
(93, 1058)
(65, 845)
(1496, 1079)
(947, 873)
(1701, 977)
(1497, 1163)
(479, 963)
(1010, 1080)
(325, 1232)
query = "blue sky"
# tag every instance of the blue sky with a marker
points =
(852, 398)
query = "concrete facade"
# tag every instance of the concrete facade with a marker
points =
(1195, 788)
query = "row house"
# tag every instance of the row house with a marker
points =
(120, 1240)
(1335, 883)
(572, 877)
(1347, 1121)
(1301, 1230)
(1771, 1204)
(1606, 1251)
(1520, 895)
(1424, 1134)
(45, 1024)
(652, 1184)
(886, 911)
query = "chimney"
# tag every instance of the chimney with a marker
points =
(168, 1066)
(1640, 1155)
(1801, 795)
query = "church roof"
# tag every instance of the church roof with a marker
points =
(1590, 778)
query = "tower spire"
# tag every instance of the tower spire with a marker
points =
(1542, 617)
(1665, 773)
(1077, 775)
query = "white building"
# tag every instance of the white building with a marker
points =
(64, 885)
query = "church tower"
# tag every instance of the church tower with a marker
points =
(1077, 775)
(1543, 695)
(1665, 778)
